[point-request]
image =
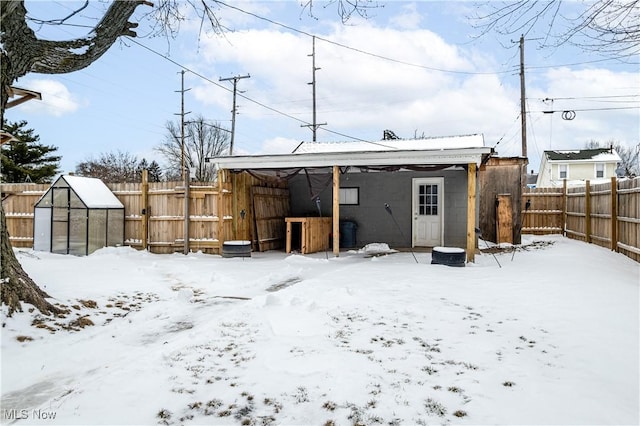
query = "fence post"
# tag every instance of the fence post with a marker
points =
(564, 207)
(587, 210)
(221, 211)
(187, 201)
(471, 213)
(614, 214)
(144, 225)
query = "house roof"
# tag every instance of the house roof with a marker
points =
(455, 150)
(449, 142)
(597, 154)
(93, 192)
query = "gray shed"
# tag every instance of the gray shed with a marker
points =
(77, 215)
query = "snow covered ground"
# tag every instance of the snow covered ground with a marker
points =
(551, 337)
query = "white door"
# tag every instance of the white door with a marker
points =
(427, 212)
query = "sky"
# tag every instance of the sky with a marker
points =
(416, 68)
(293, 339)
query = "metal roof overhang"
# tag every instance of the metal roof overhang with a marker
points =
(360, 158)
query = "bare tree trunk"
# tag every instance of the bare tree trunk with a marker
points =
(22, 52)
(17, 286)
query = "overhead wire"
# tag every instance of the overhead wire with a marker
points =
(587, 109)
(364, 52)
(248, 98)
(355, 49)
(361, 51)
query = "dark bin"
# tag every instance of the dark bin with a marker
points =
(236, 248)
(348, 233)
(450, 256)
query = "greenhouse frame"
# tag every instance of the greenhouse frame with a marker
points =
(77, 215)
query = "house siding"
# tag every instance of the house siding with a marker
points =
(581, 165)
(376, 189)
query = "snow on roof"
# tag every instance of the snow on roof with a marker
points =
(426, 144)
(93, 192)
(598, 154)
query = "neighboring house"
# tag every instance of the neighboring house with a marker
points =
(532, 179)
(577, 166)
(429, 185)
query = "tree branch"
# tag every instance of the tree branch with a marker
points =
(60, 57)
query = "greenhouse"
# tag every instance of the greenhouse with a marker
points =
(77, 215)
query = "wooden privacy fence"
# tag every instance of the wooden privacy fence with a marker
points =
(155, 212)
(606, 214)
(18, 200)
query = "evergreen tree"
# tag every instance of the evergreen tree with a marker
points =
(142, 164)
(155, 172)
(25, 159)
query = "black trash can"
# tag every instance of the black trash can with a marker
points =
(348, 233)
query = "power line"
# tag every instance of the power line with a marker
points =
(386, 58)
(364, 52)
(592, 97)
(213, 82)
(618, 58)
(284, 114)
(587, 109)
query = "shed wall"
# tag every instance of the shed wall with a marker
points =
(394, 188)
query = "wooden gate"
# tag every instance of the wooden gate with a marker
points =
(270, 207)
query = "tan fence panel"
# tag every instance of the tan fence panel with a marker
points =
(270, 208)
(130, 195)
(600, 214)
(545, 213)
(18, 201)
(606, 214)
(629, 218)
(575, 226)
(165, 214)
(204, 219)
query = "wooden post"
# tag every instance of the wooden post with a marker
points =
(234, 207)
(287, 247)
(614, 214)
(564, 207)
(243, 195)
(221, 212)
(587, 210)
(144, 201)
(336, 211)
(187, 196)
(304, 237)
(504, 219)
(471, 213)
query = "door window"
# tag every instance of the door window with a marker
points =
(428, 200)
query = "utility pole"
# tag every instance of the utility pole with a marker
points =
(523, 108)
(233, 111)
(314, 126)
(183, 169)
(182, 114)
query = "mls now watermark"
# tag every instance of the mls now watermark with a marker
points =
(35, 414)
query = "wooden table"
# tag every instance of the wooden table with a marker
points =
(315, 233)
